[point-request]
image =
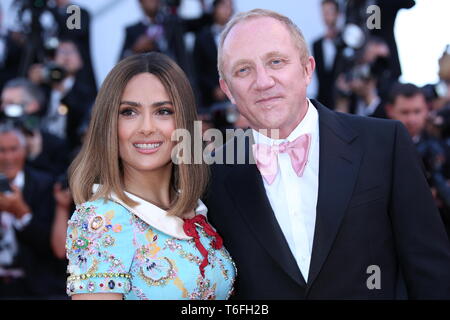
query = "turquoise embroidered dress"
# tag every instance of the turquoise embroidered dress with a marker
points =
(143, 253)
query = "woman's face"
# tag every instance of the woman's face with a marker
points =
(145, 125)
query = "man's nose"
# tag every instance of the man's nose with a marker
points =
(264, 79)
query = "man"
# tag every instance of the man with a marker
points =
(157, 31)
(69, 98)
(80, 36)
(205, 55)
(28, 268)
(350, 221)
(45, 151)
(326, 51)
(407, 103)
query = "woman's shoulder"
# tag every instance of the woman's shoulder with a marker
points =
(102, 208)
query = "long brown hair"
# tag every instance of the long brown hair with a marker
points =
(98, 161)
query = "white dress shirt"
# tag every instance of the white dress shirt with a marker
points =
(329, 53)
(294, 199)
(54, 121)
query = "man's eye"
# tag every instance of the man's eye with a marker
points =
(242, 71)
(276, 62)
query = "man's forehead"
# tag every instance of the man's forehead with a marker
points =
(253, 25)
(243, 38)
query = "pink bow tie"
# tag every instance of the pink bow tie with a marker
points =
(267, 160)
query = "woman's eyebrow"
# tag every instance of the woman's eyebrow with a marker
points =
(131, 103)
(137, 104)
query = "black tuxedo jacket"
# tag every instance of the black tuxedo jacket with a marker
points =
(374, 208)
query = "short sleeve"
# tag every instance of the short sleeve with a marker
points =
(99, 248)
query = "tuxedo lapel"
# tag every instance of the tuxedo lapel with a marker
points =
(246, 188)
(339, 160)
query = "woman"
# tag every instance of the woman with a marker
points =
(139, 230)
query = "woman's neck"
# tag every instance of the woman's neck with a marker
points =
(152, 186)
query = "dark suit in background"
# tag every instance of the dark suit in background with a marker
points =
(374, 208)
(205, 61)
(389, 10)
(44, 274)
(326, 77)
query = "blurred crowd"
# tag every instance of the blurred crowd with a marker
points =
(48, 88)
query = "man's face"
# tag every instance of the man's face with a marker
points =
(412, 112)
(263, 75)
(67, 55)
(17, 96)
(223, 12)
(329, 14)
(150, 7)
(12, 155)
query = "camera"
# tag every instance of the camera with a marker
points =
(368, 70)
(15, 115)
(53, 73)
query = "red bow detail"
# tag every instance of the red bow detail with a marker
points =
(190, 229)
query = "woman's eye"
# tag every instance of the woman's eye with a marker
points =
(127, 112)
(165, 112)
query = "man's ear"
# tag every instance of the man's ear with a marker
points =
(310, 66)
(224, 87)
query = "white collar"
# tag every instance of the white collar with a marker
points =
(155, 216)
(308, 124)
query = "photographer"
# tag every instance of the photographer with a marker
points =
(28, 268)
(407, 104)
(22, 106)
(80, 36)
(358, 87)
(69, 99)
(438, 94)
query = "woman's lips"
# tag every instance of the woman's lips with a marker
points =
(147, 147)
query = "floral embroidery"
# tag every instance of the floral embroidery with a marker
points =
(105, 241)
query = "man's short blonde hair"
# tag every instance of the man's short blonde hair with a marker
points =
(297, 35)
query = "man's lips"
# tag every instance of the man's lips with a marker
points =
(268, 100)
